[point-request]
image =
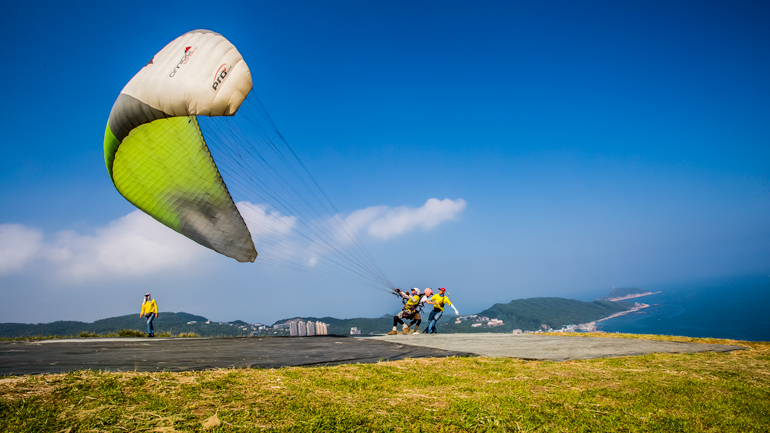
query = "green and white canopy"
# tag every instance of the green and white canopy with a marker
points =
(155, 152)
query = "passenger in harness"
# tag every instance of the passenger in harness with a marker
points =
(410, 301)
(417, 319)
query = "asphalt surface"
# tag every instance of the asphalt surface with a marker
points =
(185, 354)
(550, 347)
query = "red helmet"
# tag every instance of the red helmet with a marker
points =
(428, 291)
(441, 289)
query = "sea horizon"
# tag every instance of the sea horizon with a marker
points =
(731, 308)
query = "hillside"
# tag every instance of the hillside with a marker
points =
(532, 313)
(525, 314)
(166, 322)
(367, 326)
(663, 392)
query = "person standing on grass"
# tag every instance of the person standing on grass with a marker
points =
(438, 301)
(150, 312)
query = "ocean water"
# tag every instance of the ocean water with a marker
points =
(736, 308)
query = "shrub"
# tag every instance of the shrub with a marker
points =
(188, 334)
(130, 333)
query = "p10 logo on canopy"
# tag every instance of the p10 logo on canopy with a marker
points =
(220, 76)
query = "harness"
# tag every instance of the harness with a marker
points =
(410, 307)
(442, 303)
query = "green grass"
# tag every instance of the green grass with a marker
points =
(717, 392)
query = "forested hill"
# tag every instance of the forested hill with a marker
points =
(530, 314)
(166, 322)
(525, 314)
(380, 325)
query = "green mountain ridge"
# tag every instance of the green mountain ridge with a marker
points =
(174, 323)
(367, 326)
(525, 314)
(532, 313)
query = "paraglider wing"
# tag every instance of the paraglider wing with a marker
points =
(155, 152)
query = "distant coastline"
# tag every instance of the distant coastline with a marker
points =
(729, 307)
(591, 326)
(637, 306)
(631, 296)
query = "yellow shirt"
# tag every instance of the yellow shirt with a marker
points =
(149, 307)
(439, 301)
(411, 304)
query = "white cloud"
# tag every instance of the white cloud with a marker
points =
(18, 245)
(261, 222)
(133, 245)
(384, 222)
(274, 234)
(137, 245)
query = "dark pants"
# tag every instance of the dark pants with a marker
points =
(416, 320)
(403, 314)
(150, 317)
(432, 319)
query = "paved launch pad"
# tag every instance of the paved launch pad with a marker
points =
(185, 354)
(550, 347)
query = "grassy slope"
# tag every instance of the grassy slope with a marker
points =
(716, 392)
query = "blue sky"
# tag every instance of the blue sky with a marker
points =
(593, 144)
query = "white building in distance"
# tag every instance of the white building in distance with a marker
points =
(321, 328)
(300, 328)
